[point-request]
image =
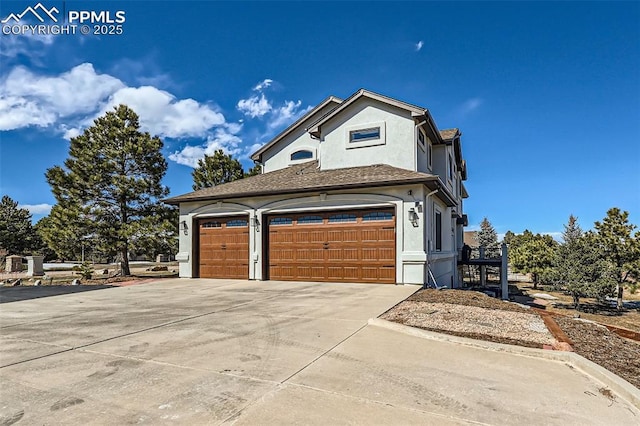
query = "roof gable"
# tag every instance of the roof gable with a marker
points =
(256, 156)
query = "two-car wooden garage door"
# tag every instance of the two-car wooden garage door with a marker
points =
(347, 246)
(351, 246)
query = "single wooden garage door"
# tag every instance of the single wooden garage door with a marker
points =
(224, 247)
(350, 246)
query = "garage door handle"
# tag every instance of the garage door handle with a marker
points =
(223, 247)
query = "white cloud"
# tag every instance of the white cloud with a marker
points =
(29, 45)
(71, 100)
(419, 45)
(37, 208)
(254, 106)
(163, 115)
(263, 85)
(287, 114)
(222, 139)
(27, 99)
(470, 105)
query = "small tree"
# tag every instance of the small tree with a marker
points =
(488, 238)
(216, 169)
(620, 246)
(580, 267)
(16, 233)
(110, 186)
(533, 254)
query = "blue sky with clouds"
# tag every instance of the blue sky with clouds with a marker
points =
(547, 94)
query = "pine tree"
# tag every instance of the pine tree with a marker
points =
(533, 254)
(16, 233)
(110, 185)
(620, 246)
(255, 170)
(216, 169)
(488, 238)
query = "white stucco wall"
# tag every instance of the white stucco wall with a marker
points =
(279, 156)
(397, 149)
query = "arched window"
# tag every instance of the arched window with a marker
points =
(302, 154)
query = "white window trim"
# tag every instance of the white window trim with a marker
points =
(382, 140)
(429, 153)
(314, 152)
(437, 210)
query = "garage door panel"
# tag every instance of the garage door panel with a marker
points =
(224, 248)
(335, 246)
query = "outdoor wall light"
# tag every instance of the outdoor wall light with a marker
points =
(255, 223)
(413, 217)
(184, 228)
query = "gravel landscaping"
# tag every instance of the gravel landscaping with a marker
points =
(476, 315)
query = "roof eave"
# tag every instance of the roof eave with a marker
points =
(186, 199)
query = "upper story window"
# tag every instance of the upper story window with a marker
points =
(450, 168)
(421, 139)
(430, 154)
(302, 154)
(364, 134)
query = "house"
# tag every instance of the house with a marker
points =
(365, 189)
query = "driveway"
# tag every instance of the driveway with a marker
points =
(224, 351)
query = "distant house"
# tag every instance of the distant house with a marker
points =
(471, 238)
(365, 189)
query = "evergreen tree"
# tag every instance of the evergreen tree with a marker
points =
(16, 233)
(255, 170)
(110, 186)
(488, 238)
(533, 254)
(580, 267)
(620, 246)
(216, 169)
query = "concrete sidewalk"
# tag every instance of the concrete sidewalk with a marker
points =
(223, 351)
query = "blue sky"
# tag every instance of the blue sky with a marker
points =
(547, 94)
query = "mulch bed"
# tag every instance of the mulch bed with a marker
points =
(592, 341)
(598, 344)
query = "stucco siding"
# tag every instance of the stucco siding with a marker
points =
(395, 147)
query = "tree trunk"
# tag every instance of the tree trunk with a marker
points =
(535, 281)
(576, 301)
(125, 261)
(619, 291)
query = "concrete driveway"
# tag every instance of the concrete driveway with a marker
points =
(217, 351)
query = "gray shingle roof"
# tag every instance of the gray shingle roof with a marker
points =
(448, 134)
(306, 177)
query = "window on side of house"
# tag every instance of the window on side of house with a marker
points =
(438, 231)
(429, 154)
(302, 154)
(450, 168)
(421, 140)
(361, 135)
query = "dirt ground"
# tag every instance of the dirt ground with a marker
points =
(594, 342)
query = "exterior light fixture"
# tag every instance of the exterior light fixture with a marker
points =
(413, 217)
(255, 223)
(184, 227)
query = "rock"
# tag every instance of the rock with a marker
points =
(75, 282)
(37, 283)
(158, 268)
(576, 316)
(544, 296)
(105, 272)
(17, 282)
